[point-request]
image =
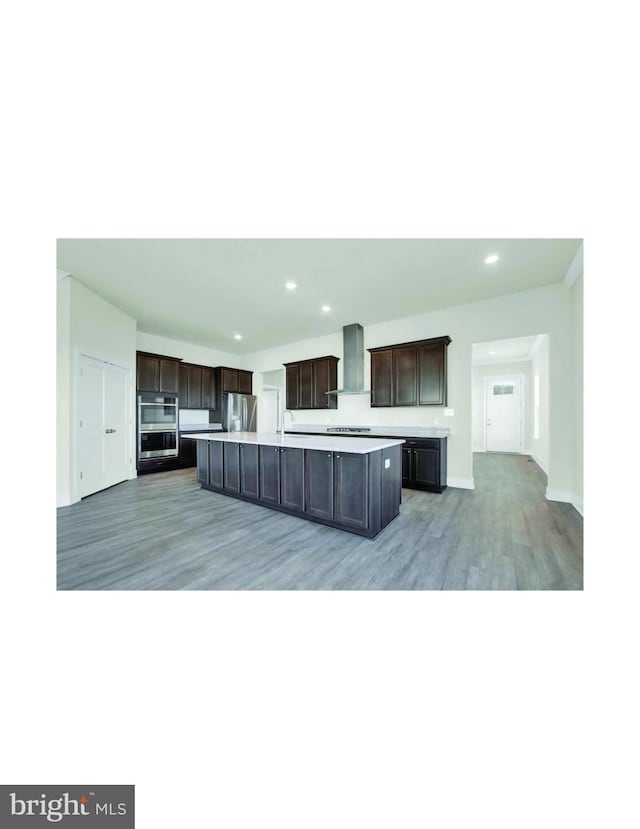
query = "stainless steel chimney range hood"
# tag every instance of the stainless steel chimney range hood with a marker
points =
(353, 361)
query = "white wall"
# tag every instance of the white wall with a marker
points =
(578, 370)
(63, 395)
(516, 315)
(478, 401)
(99, 329)
(189, 352)
(540, 366)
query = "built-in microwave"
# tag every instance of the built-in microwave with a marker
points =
(157, 412)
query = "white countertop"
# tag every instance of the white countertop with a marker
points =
(200, 427)
(400, 431)
(328, 443)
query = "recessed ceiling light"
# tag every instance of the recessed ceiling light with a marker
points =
(291, 286)
(492, 352)
(237, 336)
(491, 259)
(326, 308)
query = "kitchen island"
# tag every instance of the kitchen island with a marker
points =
(351, 484)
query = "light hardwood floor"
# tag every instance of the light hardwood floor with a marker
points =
(162, 532)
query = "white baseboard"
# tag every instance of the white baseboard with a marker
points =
(566, 498)
(544, 469)
(559, 495)
(461, 483)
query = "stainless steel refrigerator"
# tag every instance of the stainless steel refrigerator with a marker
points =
(239, 412)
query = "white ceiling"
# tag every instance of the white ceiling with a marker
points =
(503, 351)
(204, 290)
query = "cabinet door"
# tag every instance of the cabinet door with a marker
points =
(208, 397)
(183, 386)
(269, 457)
(232, 467)
(351, 489)
(202, 462)
(292, 478)
(406, 465)
(292, 381)
(148, 373)
(229, 379)
(249, 470)
(319, 483)
(405, 376)
(187, 452)
(321, 383)
(426, 467)
(381, 378)
(169, 376)
(194, 394)
(305, 395)
(216, 463)
(432, 373)
(245, 382)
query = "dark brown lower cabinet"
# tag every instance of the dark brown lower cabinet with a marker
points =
(292, 478)
(269, 486)
(351, 503)
(187, 452)
(319, 483)
(351, 491)
(209, 463)
(231, 473)
(249, 469)
(424, 464)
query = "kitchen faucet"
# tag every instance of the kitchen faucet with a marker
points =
(282, 420)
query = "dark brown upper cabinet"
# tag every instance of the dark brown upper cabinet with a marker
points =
(410, 374)
(198, 387)
(156, 373)
(190, 393)
(209, 388)
(235, 380)
(382, 377)
(308, 381)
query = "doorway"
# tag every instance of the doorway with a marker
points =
(504, 413)
(103, 425)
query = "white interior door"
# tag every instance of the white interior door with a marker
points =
(103, 425)
(270, 414)
(116, 419)
(504, 414)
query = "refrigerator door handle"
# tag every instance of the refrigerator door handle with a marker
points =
(245, 415)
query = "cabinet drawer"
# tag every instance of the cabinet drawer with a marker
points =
(423, 443)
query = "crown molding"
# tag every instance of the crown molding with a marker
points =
(61, 275)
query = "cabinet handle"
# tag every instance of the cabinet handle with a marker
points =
(329, 455)
(337, 456)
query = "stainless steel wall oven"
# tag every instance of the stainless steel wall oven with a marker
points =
(157, 426)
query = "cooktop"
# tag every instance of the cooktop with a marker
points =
(348, 429)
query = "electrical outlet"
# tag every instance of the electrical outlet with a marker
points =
(449, 412)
